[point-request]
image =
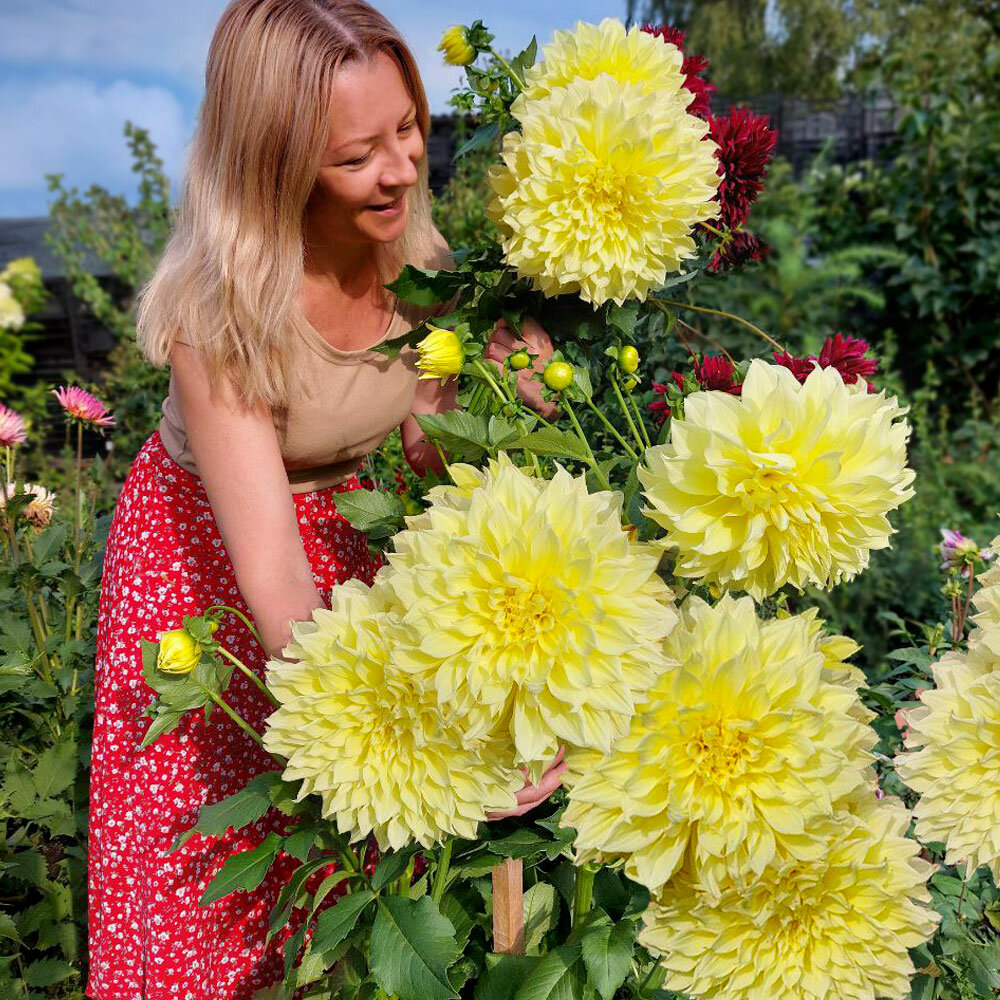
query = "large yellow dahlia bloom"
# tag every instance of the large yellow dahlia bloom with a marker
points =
(736, 753)
(835, 927)
(987, 604)
(535, 615)
(370, 741)
(632, 57)
(788, 484)
(956, 772)
(600, 190)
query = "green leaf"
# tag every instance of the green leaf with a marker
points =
(460, 905)
(28, 867)
(55, 770)
(7, 928)
(550, 442)
(485, 135)
(245, 870)
(465, 436)
(392, 866)
(335, 924)
(522, 843)
(503, 977)
(557, 976)
(234, 812)
(412, 945)
(541, 914)
(607, 953)
(50, 541)
(623, 319)
(300, 843)
(426, 288)
(48, 972)
(378, 513)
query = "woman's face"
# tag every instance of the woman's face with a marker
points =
(371, 155)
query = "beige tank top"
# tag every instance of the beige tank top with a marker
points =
(347, 404)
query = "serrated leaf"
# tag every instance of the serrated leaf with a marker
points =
(412, 945)
(550, 442)
(28, 867)
(7, 928)
(55, 770)
(50, 541)
(426, 287)
(484, 136)
(392, 866)
(235, 811)
(465, 436)
(378, 513)
(541, 914)
(504, 976)
(607, 953)
(335, 924)
(559, 975)
(245, 870)
(48, 972)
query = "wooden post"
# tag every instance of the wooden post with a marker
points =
(508, 908)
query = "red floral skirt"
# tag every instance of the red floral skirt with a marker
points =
(149, 938)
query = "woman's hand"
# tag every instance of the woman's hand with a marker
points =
(534, 339)
(534, 795)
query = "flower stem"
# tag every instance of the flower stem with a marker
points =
(628, 415)
(240, 665)
(583, 892)
(653, 980)
(507, 66)
(238, 719)
(441, 875)
(638, 418)
(708, 226)
(481, 368)
(79, 496)
(661, 303)
(602, 479)
(614, 430)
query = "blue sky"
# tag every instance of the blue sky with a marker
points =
(73, 71)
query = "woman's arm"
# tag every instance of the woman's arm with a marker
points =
(237, 454)
(430, 397)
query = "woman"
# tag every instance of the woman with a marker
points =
(306, 191)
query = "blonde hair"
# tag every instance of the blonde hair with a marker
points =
(228, 278)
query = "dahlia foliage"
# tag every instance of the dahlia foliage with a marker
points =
(613, 593)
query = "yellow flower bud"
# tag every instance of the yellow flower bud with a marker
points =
(441, 354)
(455, 46)
(178, 652)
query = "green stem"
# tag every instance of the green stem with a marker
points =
(240, 665)
(77, 527)
(654, 978)
(583, 892)
(441, 875)
(662, 303)
(481, 368)
(242, 617)
(712, 229)
(626, 411)
(614, 430)
(638, 418)
(507, 66)
(592, 461)
(238, 719)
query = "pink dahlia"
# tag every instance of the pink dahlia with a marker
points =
(692, 68)
(83, 406)
(12, 429)
(746, 144)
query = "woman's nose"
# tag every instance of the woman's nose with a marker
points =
(400, 171)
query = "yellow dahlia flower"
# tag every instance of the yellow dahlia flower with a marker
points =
(987, 604)
(788, 484)
(371, 742)
(834, 927)
(599, 192)
(178, 652)
(735, 754)
(456, 47)
(630, 57)
(440, 354)
(535, 615)
(955, 772)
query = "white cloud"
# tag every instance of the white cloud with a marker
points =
(74, 126)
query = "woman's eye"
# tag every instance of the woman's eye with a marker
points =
(406, 126)
(355, 163)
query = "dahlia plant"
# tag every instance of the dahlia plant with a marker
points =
(614, 584)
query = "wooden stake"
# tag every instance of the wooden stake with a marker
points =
(508, 908)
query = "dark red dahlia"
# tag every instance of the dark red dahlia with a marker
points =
(740, 249)
(847, 355)
(692, 68)
(746, 144)
(716, 371)
(799, 367)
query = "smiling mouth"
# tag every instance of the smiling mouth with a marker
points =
(387, 206)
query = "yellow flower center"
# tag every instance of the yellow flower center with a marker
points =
(769, 486)
(604, 192)
(523, 612)
(720, 749)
